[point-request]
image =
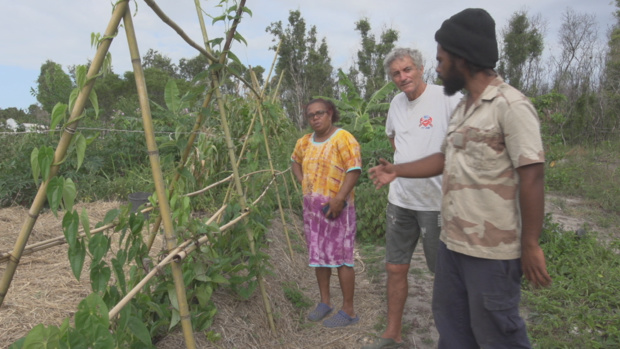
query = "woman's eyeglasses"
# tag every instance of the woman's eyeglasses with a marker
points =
(318, 113)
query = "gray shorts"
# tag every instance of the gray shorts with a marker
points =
(403, 230)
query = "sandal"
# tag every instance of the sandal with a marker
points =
(383, 343)
(319, 312)
(341, 319)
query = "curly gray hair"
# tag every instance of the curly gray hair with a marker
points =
(400, 52)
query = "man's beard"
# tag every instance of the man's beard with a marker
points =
(453, 82)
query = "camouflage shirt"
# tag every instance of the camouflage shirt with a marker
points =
(483, 147)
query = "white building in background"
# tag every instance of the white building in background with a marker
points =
(11, 124)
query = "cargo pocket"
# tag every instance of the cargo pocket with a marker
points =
(504, 310)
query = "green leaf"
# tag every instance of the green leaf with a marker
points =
(68, 194)
(45, 159)
(72, 98)
(98, 246)
(139, 330)
(92, 310)
(120, 274)
(234, 58)
(240, 38)
(77, 255)
(58, 114)
(41, 337)
(110, 216)
(80, 75)
(219, 279)
(80, 149)
(203, 294)
(215, 66)
(382, 93)
(70, 225)
(218, 18)
(94, 100)
(171, 96)
(34, 163)
(54, 193)
(247, 10)
(99, 337)
(85, 222)
(172, 294)
(99, 276)
(174, 319)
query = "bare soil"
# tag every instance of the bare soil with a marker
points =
(45, 291)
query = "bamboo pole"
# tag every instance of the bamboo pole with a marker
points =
(63, 145)
(273, 171)
(180, 253)
(42, 245)
(158, 179)
(229, 144)
(59, 240)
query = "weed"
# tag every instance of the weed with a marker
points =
(295, 296)
(419, 272)
(580, 309)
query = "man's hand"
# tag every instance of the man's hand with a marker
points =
(534, 266)
(382, 174)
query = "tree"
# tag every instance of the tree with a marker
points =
(53, 86)
(189, 68)
(611, 83)
(303, 63)
(576, 65)
(154, 59)
(522, 49)
(369, 75)
(577, 74)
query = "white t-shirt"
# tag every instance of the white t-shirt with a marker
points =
(418, 128)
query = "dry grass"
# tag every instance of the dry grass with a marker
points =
(45, 291)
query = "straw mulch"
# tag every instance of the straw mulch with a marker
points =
(244, 324)
(45, 291)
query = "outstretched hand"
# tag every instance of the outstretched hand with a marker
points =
(382, 174)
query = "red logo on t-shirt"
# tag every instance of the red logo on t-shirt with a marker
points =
(426, 122)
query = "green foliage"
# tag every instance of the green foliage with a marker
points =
(299, 300)
(523, 43)
(580, 309)
(369, 75)
(591, 173)
(18, 184)
(304, 63)
(53, 85)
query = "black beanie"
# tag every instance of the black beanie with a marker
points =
(470, 34)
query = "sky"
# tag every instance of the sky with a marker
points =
(34, 31)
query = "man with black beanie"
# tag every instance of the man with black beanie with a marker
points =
(493, 193)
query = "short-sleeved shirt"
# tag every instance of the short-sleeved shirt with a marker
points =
(324, 167)
(484, 145)
(418, 128)
(325, 164)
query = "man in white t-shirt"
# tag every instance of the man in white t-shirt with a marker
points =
(416, 126)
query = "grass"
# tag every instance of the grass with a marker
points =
(295, 296)
(374, 258)
(582, 308)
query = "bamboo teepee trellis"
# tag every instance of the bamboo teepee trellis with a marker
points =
(63, 145)
(121, 11)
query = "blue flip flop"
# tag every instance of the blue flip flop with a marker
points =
(319, 312)
(341, 319)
